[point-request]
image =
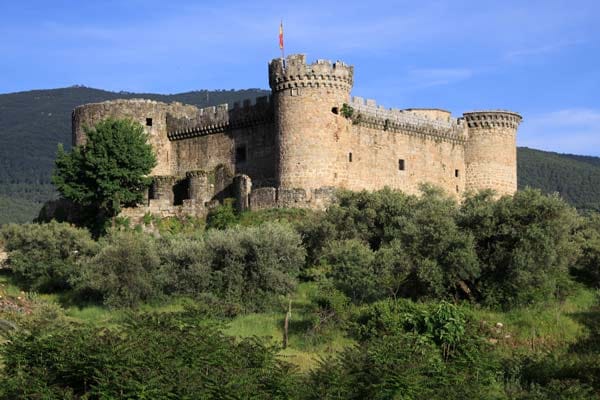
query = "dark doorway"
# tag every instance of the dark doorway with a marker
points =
(180, 192)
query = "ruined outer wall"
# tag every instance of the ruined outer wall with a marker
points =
(491, 151)
(216, 134)
(307, 131)
(138, 110)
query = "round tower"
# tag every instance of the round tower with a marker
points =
(307, 102)
(491, 151)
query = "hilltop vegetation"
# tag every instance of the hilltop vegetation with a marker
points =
(391, 296)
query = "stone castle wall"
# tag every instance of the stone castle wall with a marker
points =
(150, 114)
(243, 138)
(310, 137)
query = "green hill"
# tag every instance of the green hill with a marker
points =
(575, 178)
(33, 123)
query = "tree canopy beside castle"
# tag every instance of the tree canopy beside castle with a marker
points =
(109, 171)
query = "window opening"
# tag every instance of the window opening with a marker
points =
(401, 165)
(148, 121)
(240, 154)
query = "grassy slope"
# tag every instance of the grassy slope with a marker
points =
(535, 329)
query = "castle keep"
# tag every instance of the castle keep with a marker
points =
(295, 147)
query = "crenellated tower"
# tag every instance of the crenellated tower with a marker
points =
(307, 99)
(491, 151)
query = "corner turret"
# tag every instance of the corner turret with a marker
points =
(491, 150)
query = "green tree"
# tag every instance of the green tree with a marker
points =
(110, 170)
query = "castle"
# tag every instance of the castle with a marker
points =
(295, 147)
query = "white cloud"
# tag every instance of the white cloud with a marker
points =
(541, 50)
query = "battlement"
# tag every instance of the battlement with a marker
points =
(493, 119)
(429, 122)
(294, 72)
(119, 102)
(220, 118)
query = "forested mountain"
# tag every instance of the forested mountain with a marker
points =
(33, 123)
(575, 178)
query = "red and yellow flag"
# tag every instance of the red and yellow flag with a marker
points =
(281, 35)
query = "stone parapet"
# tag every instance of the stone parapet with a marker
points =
(370, 115)
(211, 120)
(294, 72)
(493, 119)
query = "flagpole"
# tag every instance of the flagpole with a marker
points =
(281, 43)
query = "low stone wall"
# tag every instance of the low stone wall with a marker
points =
(270, 197)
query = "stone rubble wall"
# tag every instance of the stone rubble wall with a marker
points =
(270, 197)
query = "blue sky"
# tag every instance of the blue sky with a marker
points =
(540, 58)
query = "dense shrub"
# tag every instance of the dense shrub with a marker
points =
(525, 245)
(387, 243)
(350, 265)
(587, 268)
(414, 351)
(44, 257)
(222, 216)
(168, 356)
(184, 269)
(248, 264)
(124, 272)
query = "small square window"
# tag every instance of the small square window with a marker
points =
(401, 165)
(148, 121)
(349, 157)
(240, 154)
(456, 174)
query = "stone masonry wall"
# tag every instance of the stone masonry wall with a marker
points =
(304, 96)
(295, 148)
(242, 138)
(140, 111)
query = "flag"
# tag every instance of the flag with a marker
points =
(281, 35)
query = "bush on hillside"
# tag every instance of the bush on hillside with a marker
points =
(184, 269)
(250, 264)
(45, 257)
(125, 272)
(419, 250)
(525, 245)
(587, 268)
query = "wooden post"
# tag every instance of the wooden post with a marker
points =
(286, 324)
